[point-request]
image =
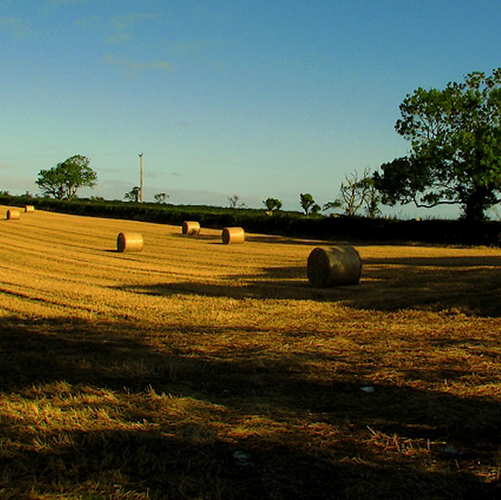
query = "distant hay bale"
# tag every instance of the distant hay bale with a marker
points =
(13, 214)
(231, 235)
(29, 208)
(191, 228)
(334, 266)
(129, 242)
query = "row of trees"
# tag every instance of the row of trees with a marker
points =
(63, 181)
(454, 158)
(355, 194)
(134, 195)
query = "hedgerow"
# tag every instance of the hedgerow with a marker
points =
(283, 223)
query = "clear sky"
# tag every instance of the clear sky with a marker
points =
(250, 98)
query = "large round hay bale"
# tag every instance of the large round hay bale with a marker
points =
(191, 228)
(29, 208)
(129, 242)
(334, 266)
(13, 214)
(231, 235)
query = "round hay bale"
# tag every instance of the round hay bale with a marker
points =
(191, 228)
(129, 242)
(334, 266)
(13, 214)
(29, 208)
(231, 235)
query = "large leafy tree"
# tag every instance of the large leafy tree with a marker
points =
(455, 155)
(64, 180)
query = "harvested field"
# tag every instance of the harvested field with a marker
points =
(195, 369)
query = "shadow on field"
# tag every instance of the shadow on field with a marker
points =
(284, 240)
(472, 285)
(212, 237)
(182, 423)
(215, 237)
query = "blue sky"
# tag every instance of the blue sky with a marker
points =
(255, 99)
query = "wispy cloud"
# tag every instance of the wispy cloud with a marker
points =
(17, 27)
(133, 68)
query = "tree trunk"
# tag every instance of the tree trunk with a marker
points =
(477, 202)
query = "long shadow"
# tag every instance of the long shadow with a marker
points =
(179, 458)
(202, 237)
(257, 238)
(471, 284)
(452, 262)
(284, 240)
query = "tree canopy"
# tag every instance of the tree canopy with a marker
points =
(160, 197)
(308, 204)
(455, 155)
(133, 195)
(272, 204)
(64, 180)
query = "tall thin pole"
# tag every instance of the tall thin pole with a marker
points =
(141, 193)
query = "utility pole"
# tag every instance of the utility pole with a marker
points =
(141, 193)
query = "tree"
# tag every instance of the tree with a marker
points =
(161, 197)
(133, 195)
(272, 204)
(63, 181)
(373, 199)
(455, 155)
(233, 202)
(356, 193)
(308, 204)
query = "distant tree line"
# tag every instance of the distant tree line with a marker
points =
(455, 159)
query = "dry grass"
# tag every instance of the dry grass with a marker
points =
(201, 370)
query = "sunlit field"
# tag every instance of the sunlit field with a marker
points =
(197, 370)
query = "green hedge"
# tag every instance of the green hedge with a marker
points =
(292, 224)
